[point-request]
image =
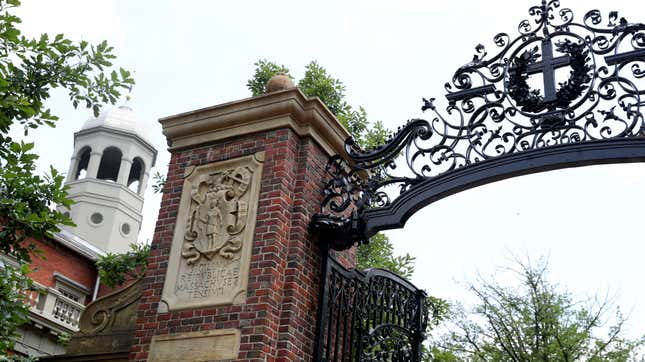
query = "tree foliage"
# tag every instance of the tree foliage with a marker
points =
(379, 253)
(318, 83)
(264, 70)
(29, 70)
(14, 284)
(158, 182)
(533, 321)
(115, 269)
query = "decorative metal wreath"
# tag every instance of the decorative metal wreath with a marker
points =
(530, 100)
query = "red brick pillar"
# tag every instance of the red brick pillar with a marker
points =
(275, 316)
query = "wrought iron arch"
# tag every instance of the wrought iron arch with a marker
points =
(498, 124)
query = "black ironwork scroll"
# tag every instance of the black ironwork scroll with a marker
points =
(561, 93)
(369, 316)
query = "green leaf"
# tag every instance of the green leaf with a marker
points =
(15, 147)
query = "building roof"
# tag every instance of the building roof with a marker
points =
(122, 118)
(78, 244)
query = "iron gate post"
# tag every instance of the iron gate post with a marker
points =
(420, 332)
(321, 316)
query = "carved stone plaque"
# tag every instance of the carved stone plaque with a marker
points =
(211, 248)
(215, 345)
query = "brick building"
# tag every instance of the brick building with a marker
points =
(107, 177)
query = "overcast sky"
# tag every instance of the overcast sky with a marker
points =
(191, 54)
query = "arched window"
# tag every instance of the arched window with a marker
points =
(136, 173)
(83, 160)
(110, 164)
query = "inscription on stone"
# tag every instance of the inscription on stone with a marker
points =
(210, 256)
(209, 279)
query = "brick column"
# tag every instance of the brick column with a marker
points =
(276, 316)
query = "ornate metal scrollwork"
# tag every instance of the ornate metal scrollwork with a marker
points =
(497, 108)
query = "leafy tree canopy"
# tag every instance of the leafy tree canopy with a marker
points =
(379, 253)
(115, 269)
(264, 70)
(534, 320)
(13, 311)
(29, 70)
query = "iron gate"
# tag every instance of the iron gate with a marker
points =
(369, 316)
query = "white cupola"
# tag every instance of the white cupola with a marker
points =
(107, 179)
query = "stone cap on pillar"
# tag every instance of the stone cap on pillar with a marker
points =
(289, 108)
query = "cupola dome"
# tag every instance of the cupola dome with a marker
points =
(121, 118)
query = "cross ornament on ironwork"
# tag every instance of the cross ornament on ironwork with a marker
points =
(547, 67)
(549, 64)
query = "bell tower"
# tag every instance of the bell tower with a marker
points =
(107, 178)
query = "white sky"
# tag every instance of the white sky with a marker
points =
(191, 54)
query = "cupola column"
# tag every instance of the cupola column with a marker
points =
(124, 172)
(73, 163)
(144, 183)
(93, 165)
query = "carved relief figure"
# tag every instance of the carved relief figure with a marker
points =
(217, 215)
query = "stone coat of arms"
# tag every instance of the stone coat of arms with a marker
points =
(212, 241)
(217, 216)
